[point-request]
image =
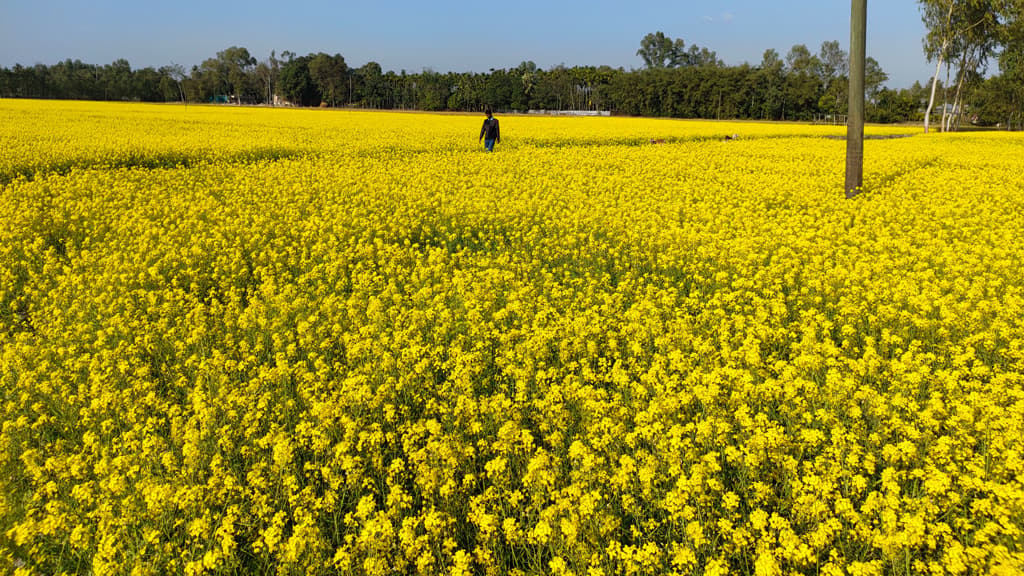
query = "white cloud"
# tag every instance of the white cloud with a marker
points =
(724, 18)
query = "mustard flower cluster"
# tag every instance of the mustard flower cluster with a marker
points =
(253, 341)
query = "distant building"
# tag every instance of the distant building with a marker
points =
(570, 112)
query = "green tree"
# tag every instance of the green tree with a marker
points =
(802, 89)
(965, 32)
(211, 79)
(1007, 89)
(173, 78)
(660, 51)
(499, 89)
(528, 73)
(874, 78)
(330, 75)
(267, 73)
(146, 85)
(433, 91)
(117, 80)
(230, 73)
(371, 90)
(770, 81)
(696, 56)
(892, 106)
(295, 84)
(799, 60)
(833, 63)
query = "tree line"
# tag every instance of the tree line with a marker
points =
(681, 83)
(963, 38)
(676, 81)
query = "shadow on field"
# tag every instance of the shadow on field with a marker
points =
(143, 161)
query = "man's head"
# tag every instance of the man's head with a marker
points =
(488, 112)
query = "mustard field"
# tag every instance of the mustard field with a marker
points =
(257, 341)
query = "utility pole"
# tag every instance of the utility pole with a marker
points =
(855, 126)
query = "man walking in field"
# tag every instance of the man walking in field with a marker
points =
(490, 132)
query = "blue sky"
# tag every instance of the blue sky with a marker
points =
(447, 35)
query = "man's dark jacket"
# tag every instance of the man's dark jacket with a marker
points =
(490, 129)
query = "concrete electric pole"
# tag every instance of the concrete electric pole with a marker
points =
(855, 127)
